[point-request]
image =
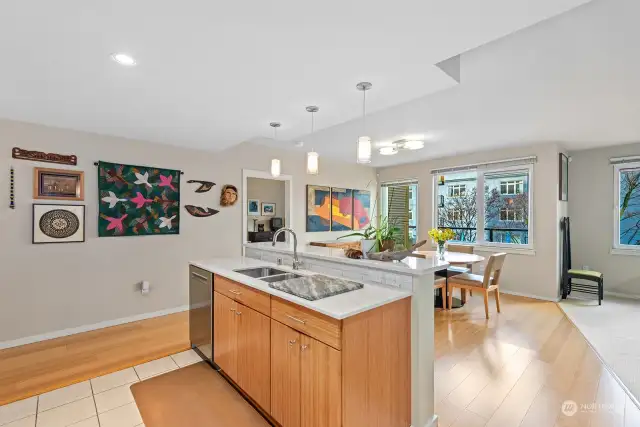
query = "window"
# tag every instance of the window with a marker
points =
(511, 187)
(497, 215)
(457, 190)
(400, 205)
(627, 194)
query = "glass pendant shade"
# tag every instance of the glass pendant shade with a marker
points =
(275, 168)
(364, 149)
(312, 163)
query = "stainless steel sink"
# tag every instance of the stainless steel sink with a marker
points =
(260, 272)
(280, 277)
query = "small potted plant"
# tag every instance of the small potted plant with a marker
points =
(374, 239)
(440, 237)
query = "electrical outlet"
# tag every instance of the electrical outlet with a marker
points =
(144, 287)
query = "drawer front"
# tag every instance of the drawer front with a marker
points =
(316, 325)
(250, 297)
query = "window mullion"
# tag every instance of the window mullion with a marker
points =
(480, 207)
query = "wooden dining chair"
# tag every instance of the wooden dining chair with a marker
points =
(465, 249)
(441, 283)
(485, 284)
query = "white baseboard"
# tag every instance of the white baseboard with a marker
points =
(432, 423)
(622, 295)
(86, 328)
(522, 294)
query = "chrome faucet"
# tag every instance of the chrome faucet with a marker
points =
(296, 261)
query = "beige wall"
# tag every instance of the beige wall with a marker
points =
(591, 211)
(266, 190)
(45, 288)
(532, 274)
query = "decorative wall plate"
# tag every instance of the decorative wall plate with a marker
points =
(58, 223)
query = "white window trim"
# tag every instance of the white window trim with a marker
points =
(617, 248)
(481, 244)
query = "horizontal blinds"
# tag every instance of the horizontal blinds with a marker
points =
(402, 183)
(398, 214)
(622, 160)
(520, 161)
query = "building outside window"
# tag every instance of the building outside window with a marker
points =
(499, 214)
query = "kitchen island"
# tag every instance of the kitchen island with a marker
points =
(373, 358)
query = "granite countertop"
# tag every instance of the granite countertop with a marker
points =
(410, 265)
(337, 306)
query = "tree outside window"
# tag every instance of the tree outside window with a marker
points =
(629, 210)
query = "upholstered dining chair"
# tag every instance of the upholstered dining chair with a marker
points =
(441, 284)
(465, 250)
(485, 284)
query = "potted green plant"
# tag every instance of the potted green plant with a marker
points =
(374, 239)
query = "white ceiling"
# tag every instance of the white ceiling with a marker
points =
(212, 74)
(573, 80)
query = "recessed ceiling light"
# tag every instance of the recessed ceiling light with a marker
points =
(123, 59)
(388, 151)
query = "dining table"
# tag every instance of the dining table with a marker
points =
(459, 263)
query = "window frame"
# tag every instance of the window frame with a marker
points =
(515, 184)
(462, 190)
(617, 247)
(480, 203)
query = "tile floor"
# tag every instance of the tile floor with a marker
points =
(101, 402)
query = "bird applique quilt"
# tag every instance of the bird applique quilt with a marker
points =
(138, 200)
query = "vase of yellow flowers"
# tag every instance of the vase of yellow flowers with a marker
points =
(440, 237)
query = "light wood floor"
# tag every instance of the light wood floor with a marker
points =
(518, 367)
(34, 369)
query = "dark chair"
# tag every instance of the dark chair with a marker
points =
(568, 274)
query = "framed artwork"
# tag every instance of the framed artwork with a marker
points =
(318, 208)
(253, 207)
(564, 177)
(268, 209)
(341, 209)
(137, 200)
(58, 184)
(361, 209)
(58, 223)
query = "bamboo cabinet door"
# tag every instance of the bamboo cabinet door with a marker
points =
(225, 346)
(285, 375)
(320, 384)
(254, 355)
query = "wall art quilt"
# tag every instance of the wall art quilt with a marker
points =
(138, 200)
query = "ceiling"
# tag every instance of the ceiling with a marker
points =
(572, 80)
(212, 74)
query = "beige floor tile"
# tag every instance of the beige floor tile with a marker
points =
(68, 414)
(113, 398)
(29, 421)
(469, 419)
(65, 395)
(155, 367)
(89, 422)
(545, 409)
(631, 414)
(116, 379)
(18, 410)
(186, 358)
(447, 413)
(469, 389)
(124, 416)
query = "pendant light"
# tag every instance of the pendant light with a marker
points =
(363, 150)
(275, 163)
(312, 156)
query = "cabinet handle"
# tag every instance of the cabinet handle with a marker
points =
(199, 276)
(292, 342)
(296, 319)
(232, 309)
(303, 347)
(233, 291)
(238, 313)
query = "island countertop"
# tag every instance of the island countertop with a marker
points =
(338, 306)
(410, 265)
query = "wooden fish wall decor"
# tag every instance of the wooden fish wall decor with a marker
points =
(204, 185)
(200, 212)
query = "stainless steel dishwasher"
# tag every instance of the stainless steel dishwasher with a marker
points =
(200, 314)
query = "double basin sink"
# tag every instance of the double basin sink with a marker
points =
(267, 274)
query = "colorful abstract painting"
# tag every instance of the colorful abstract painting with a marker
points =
(318, 208)
(138, 200)
(361, 209)
(341, 209)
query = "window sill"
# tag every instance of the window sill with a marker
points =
(627, 252)
(505, 249)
